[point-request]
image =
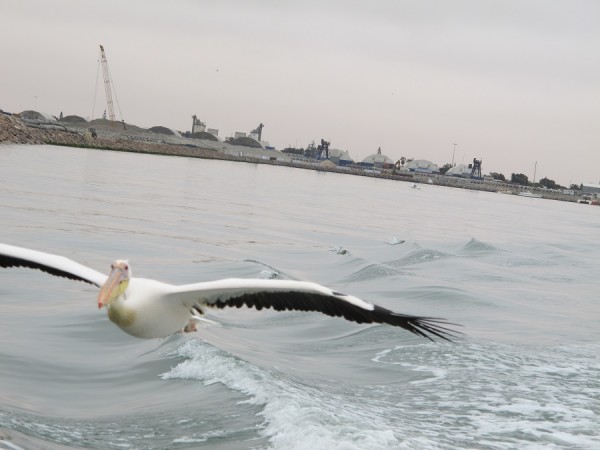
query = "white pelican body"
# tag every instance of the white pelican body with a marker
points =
(150, 309)
(136, 311)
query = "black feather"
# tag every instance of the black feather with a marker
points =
(11, 261)
(336, 306)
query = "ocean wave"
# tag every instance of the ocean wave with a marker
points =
(370, 272)
(296, 415)
(269, 272)
(502, 396)
(419, 256)
(339, 250)
(475, 246)
(395, 241)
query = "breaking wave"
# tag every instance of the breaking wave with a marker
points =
(296, 414)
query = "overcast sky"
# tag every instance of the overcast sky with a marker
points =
(509, 81)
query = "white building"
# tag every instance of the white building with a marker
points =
(378, 160)
(591, 189)
(460, 170)
(340, 157)
(422, 166)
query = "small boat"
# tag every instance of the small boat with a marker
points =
(530, 194)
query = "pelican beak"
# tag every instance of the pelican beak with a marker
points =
(113, 287)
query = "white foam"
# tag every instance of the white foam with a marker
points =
(268, 274)
(438, 373)
(202, 438)
(501, 395)
(395, 241)
(339, 250)
(296, 415)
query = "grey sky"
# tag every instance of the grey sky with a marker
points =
(511, 82)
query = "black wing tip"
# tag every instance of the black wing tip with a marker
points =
(11, 261)
(423, 326)
(426, 327)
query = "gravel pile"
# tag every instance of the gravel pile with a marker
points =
(15, 131)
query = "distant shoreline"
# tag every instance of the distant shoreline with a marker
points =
(15, 131)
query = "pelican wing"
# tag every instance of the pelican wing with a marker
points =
(302, 296)
(59, 266)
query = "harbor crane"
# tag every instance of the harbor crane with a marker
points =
(476, 169)
(258, 131)
(108, 88)
(324, 147)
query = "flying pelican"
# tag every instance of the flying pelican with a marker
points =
(150, 309)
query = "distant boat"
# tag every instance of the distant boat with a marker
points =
(530, 194)
(414, 186)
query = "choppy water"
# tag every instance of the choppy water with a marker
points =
(521, 275)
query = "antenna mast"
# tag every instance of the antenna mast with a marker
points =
(107, 87)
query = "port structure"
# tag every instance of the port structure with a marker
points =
(476, 169)
(324, 147)
(107, 86)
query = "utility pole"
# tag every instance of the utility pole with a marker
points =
(453, 154)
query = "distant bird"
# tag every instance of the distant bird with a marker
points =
(150, 309)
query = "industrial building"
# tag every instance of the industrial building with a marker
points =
(472, 170)
(459, 170)
(378, 160)
(593, 190)
(422, 166)
(340, 157)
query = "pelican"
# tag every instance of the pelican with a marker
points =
(147, 308)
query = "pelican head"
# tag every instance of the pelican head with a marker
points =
(117, 282)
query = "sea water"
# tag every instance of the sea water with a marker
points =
(520, 275)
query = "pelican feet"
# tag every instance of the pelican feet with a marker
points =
(190, 327)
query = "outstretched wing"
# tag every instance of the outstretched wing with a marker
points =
(59, 266)
(302, 296)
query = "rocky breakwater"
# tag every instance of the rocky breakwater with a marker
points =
(13, 130)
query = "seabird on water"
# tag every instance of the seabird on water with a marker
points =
(151, 309)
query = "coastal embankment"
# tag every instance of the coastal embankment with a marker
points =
(16, 131)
